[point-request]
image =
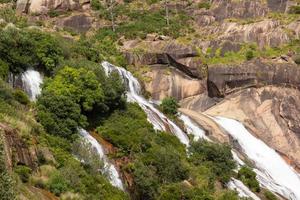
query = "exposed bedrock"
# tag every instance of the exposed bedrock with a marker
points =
(183, 57)
(271, 113)
(226, 79)
(17, 151)
(165, 81)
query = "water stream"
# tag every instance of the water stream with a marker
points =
(109, 168)
(272, 171)
(155, 117)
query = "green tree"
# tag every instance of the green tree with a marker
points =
(60, 115)
(169, 106)
(248, 177)
(81, 85)
(216, 156)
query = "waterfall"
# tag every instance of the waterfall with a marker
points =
(193, 128)
(161, 122)
(241, 189)
(272, 171)
(31, 81)
(155, 117)
(109, 169)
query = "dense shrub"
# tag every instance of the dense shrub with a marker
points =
(216, 156)
(205, 5)
(4, 69)
(249, 55)
(21, 97)
(179, 191)
(169, 106)
(295, 9)
(60, 115)
(269, 195)
(248, 177)
(21, 49)
(24, 172)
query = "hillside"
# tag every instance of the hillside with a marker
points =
(149, 99)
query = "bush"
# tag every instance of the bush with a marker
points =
(294, 9)
(57, 184)
(269, 195)
(60, 115)
(4, 70)
(248, 177)
(22, 49)
(205, 5)
(24, 172)
(249, 55)
(216, 156)
(169, 106)
(21, 97)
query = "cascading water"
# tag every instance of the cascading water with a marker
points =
(32, 80)
(109, 169)
(242, 190)
(161, 122)
(193, 129)
(272, 171)
(155, 117)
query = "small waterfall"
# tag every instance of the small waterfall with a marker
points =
(242, 190)
(31, 81)
(155, 117)
(272, 171)
(109, 169)
(193, 128)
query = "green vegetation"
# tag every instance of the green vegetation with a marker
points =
(216, 157)
(269, 195)
(248, 177)
(169, 106)
(30, 48)
(21, 97)
(294, 9)
(158, 161)
(205, 5)
(7, 189)
(24, 172)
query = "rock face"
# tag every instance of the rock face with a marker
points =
(271, 113)
(182, 57)
(17, 152)
(165, 82)
(44, 6)
(79, 23)
(223, 79)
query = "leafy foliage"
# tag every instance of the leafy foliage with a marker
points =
(216, 156)
(169, 106)
(30, 48)
(248, 177)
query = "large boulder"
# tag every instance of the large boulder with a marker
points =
(165, 81)
(226, 79)
(183, 57)
(44, 6)
(79, 23)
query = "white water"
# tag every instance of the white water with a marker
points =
(242, 190)
(109, 169)
(193, 128)
(272, 171)
(31, 82)
(155, 117)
